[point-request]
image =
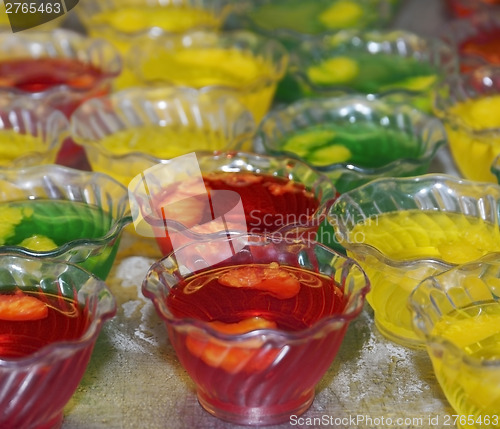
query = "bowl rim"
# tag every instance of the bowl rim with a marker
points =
(106, 308)
(113, 232)
(349, 99)
(366, 249)
(274, 335)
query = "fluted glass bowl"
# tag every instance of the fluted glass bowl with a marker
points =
(263, 373)
(468, 104)
(60, 68)
(292, 21)
(399, 64)
(30, 135)
(125, 23)
(405, 229)
(475, 39)
(43, 360)
(458, 315)
(352, 139)
(129, 131)
(243, 63)
(278, 194)
(54, 212)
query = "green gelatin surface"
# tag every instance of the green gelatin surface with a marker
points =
(363, 144)
(373, 73)
(44, 225)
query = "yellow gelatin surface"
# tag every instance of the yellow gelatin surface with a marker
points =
(452, 237)
(342, 14)
(14, 145)
(163, 142)
(252, 77)
(171, 19)
(411, 235)
(471, 389)
(480, 113)
(202, 67)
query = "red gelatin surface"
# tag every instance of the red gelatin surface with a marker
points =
(269, 203)
(485, 45)
(29, 322)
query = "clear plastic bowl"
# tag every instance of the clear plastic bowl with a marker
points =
(243, 63)
(402, 230)
(80, 212)
(279, 369)
(397, 64)
(31, 135)
(58, 68)
(351, 139)
(151, 125)
(37, 386)
(456, 313)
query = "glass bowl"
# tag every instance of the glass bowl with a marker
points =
(475, 40)
(458, 313)
(278, 194)
(467, 105)
(60, 68)
(42, 360)
(243, 63)
(292, 21)
(352, 139)
(125, 23)
(399, 64)
(129, 131)
(256, 353)
(30, 135)
(403, 230)
(54, 212)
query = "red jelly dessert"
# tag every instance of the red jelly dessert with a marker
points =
(31, 321)
(269, 202)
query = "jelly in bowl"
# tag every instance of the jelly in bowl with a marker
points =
(258, 330)
(403, 230)
(51, 313)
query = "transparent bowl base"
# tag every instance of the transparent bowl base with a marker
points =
(407, 339)
(265, 415)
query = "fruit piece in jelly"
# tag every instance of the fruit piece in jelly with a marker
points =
(272, 279)
(249, 357)
(22, 307)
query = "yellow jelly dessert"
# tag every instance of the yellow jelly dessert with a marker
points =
(333, 71)
(475, 140)
(133, 19)
(252, 78)
(404, 238)
(342, 14)
(124, 25)
(473, 389)
(14, 146)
